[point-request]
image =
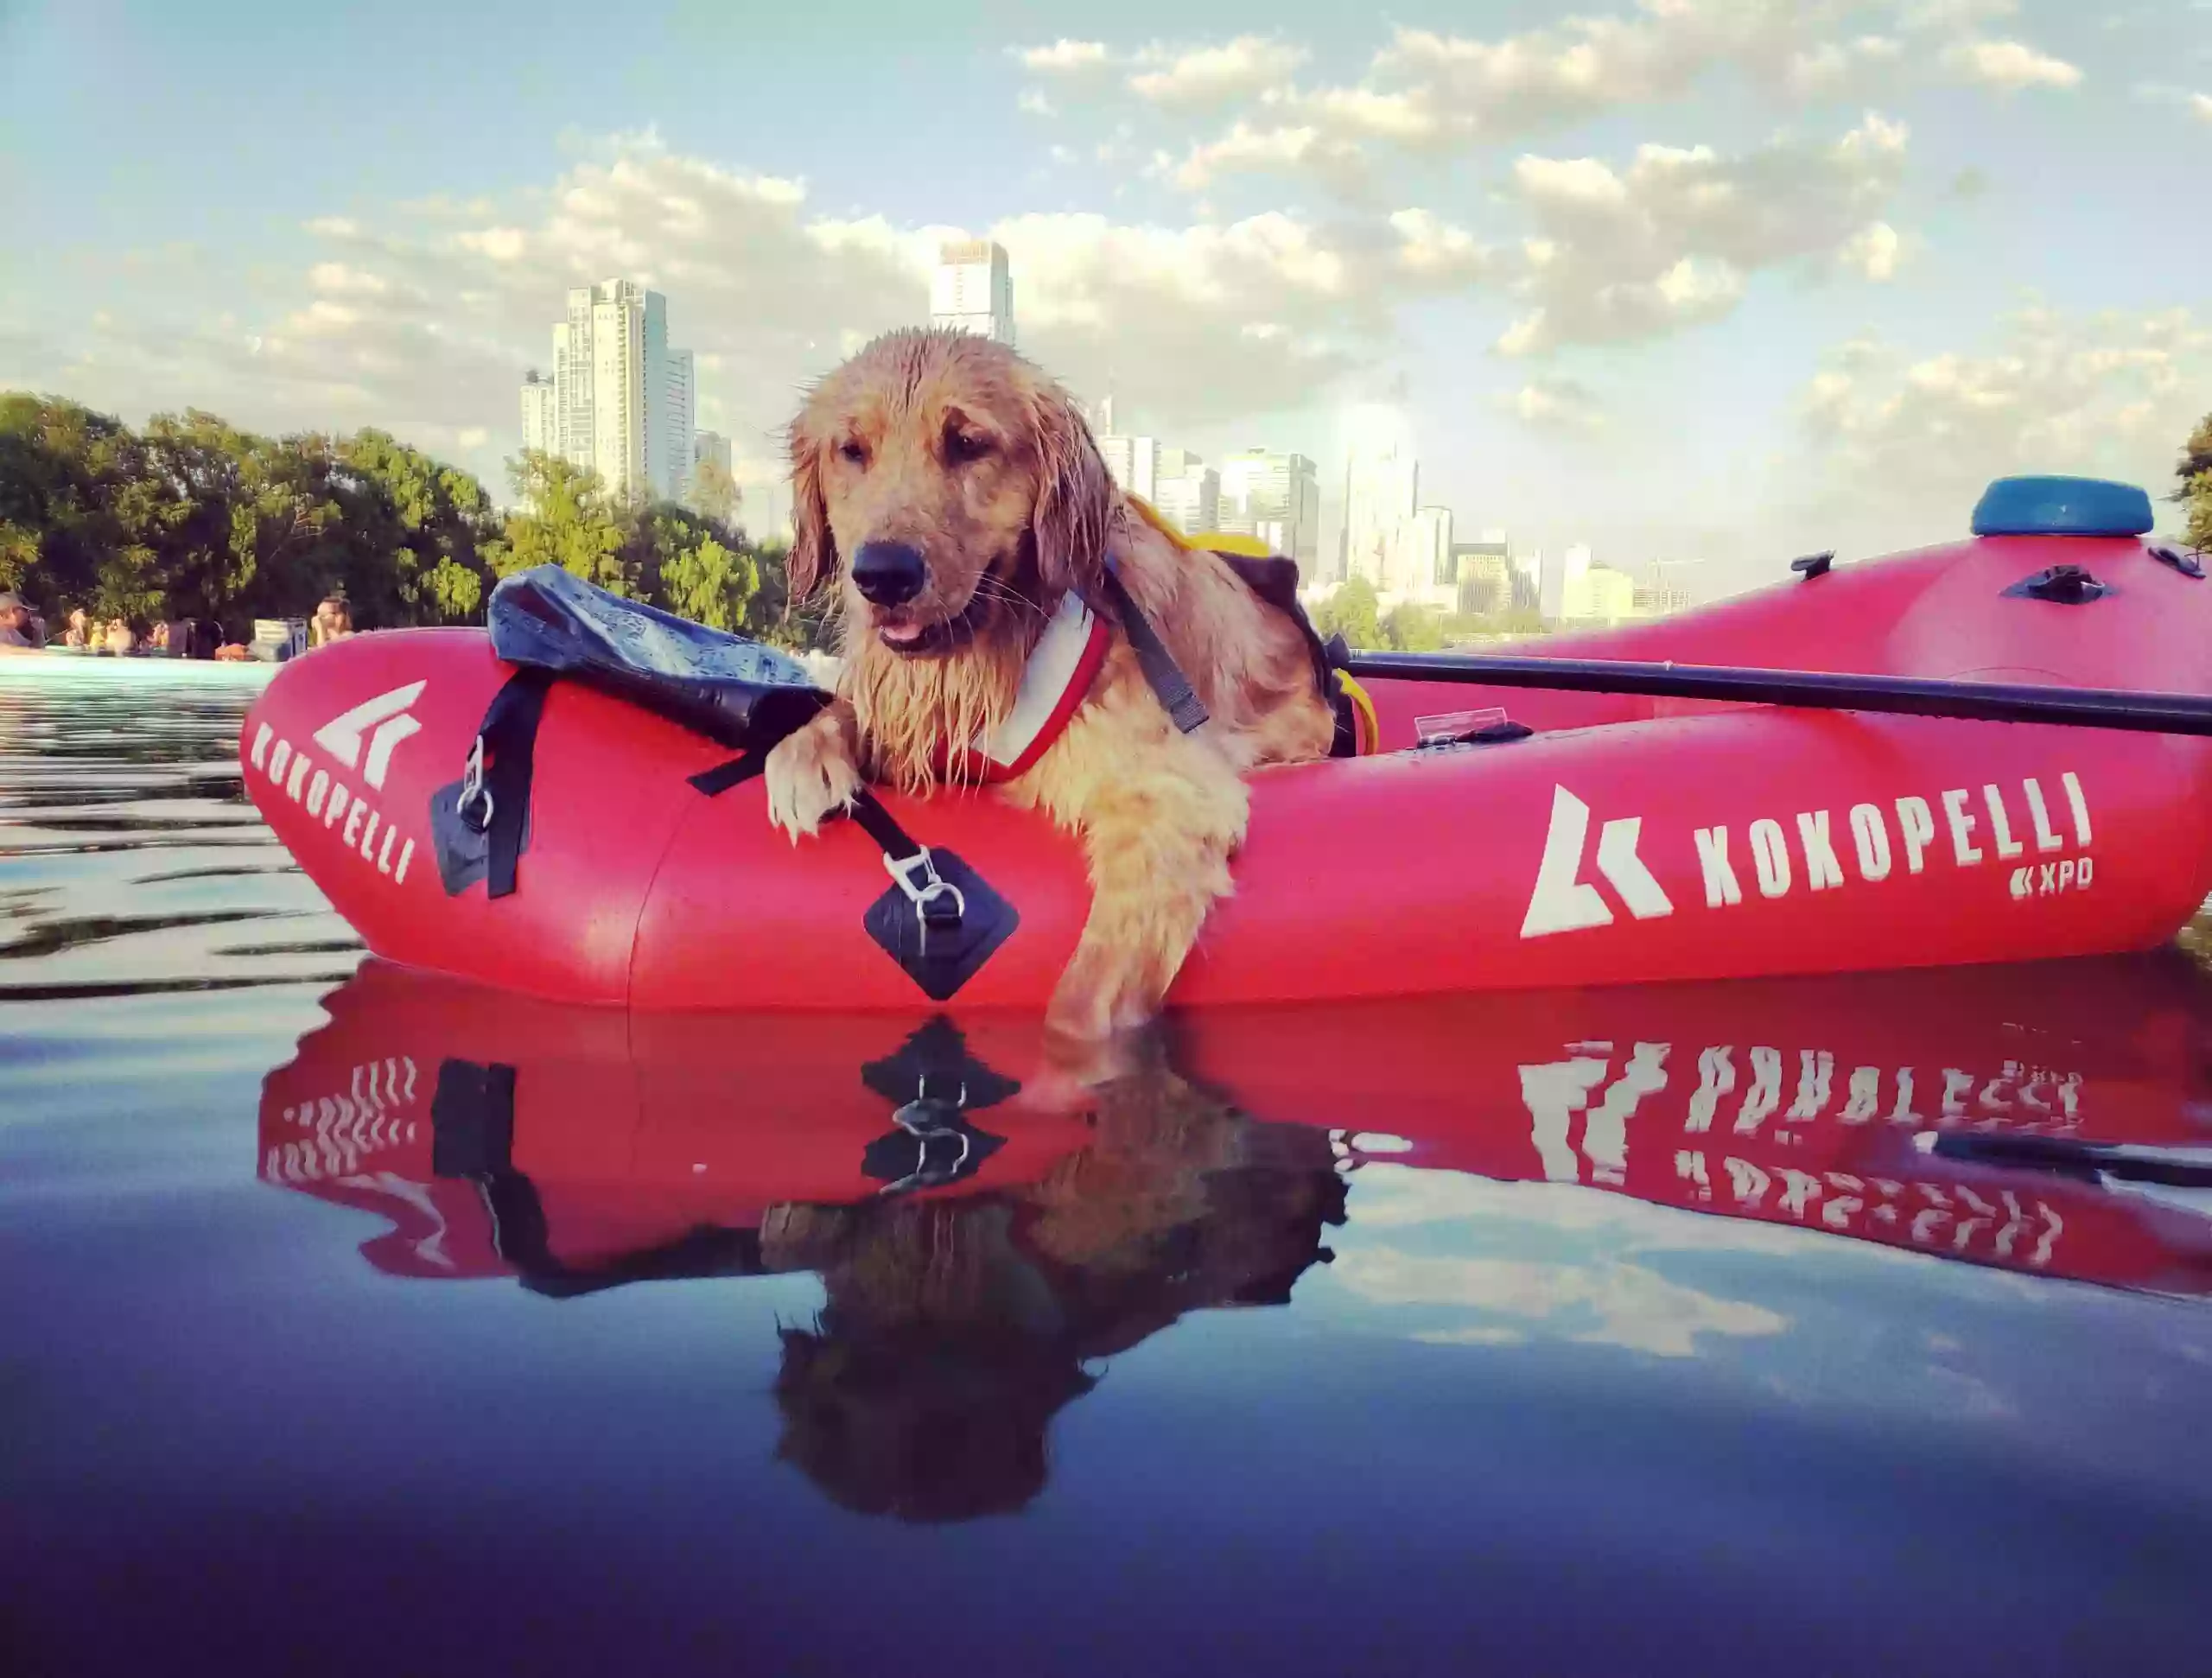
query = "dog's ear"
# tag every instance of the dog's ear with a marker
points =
(814, 551)
(1075, 497)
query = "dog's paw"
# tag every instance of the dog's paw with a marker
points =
(808, 774)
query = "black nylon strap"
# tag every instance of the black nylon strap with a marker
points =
(510, 734)
(875, 821)
(1173, 688)
(724, 775)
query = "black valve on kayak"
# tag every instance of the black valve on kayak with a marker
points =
(2187, 564)
(1814, 565)
(2065, 585)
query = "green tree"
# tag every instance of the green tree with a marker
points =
(696, 566)
(1413, 628)
(567, 518)
(2195, 491)
(1352, 613)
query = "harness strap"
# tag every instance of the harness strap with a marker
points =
(495, 795)
(1160, 671)
(938, 904)
(724, 775)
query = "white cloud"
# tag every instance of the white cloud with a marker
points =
(1033, 102)
(1247, 151)
(1065, 57)
(1440, 255)
(1874, 252)
(1671, 242)
(1912, 441)
(1429, 91)
(1603, 1303)
(1555, 404)
(2202, 105)
(1207, 78)
(2009, 65)
(1833, 67)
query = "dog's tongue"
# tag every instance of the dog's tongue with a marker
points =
(901, 634)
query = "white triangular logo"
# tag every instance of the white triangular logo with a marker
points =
(383, 720)
(1562, 902)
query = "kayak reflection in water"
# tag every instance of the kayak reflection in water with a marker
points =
(955, 1330)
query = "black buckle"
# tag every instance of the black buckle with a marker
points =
(1814, 565)
(2188, 565)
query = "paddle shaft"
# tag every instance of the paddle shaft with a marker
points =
(1979, 702)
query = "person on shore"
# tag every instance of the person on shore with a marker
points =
(333, 621)
(79, 635)
(18, 629)
(119, 639)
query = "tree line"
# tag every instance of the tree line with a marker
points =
(194, 519)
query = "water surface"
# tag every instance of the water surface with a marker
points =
(357, 1322)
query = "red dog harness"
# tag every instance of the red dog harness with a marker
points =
(1053, 682)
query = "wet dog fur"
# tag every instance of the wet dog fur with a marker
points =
(954, 448)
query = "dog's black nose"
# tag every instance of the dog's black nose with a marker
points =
(888, 573)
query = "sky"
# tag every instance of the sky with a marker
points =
(1713, 282)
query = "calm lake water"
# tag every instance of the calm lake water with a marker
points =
(359, 1324)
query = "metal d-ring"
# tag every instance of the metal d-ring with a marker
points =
(472, 790)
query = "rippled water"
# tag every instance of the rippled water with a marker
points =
(360, 1323)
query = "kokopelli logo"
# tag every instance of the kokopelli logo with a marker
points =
(385, 724)
(1563, 901)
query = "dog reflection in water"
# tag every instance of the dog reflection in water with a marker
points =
(955, 1330)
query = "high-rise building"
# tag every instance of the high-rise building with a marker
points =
(1425, 568)
(708, 448)
(1561, 581)
(1381, 493)
(1485, 574)
(1277, 498)
(572, 376)
(623, 401)
(972, 290)
(541, 414)
(679, 421)
(1133, 463)
(1598, 593)
(1528, 581)
(1187, 491)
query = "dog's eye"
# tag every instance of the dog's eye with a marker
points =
(966, 445)
(850, 449)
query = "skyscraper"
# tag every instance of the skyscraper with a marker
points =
(1277, 498)
(710, 449)
(972, 291)
(541, 414)
(623, 401)
(1133, 463)
(679, 421)
(1381, 493)
(1485, 570)
(1426, 570)
(1187, 491)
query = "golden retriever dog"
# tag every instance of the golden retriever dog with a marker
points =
(953, 496)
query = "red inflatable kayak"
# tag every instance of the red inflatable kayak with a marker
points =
(1627, 840)
(2010, 1117)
